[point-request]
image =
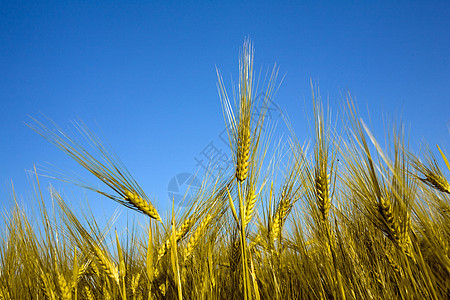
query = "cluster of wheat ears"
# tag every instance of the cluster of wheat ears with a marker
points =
(296, 224)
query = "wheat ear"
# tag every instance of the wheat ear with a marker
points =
(180, 233)
(322, 184)
(387, 212)
(135, 283)
(105, 264)
(47, 287)
(64, 287)
(194, 237)
(244, 124)
(436, 181)
(142, 205)
(393, 264)
(281, 213)
(432, 174)
(397, 230)
(4, 294)
(235, 256)
(243, 152)
(82, 271)
(250, 205)
(88, 293)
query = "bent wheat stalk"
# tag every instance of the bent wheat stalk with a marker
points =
(142, 205)
(105, 166)
(432, 175)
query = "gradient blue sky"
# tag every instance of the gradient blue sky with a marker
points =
(142, 73)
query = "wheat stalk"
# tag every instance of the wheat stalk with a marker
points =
(368, 230)
(106, 168)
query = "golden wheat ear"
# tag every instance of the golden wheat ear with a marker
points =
(142, 205)
(102, 163)
(193, 240)
(179, 234)
(240, 129)
(432, 175)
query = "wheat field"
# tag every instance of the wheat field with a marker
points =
(338, 217)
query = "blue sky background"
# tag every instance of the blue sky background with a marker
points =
(142, 75)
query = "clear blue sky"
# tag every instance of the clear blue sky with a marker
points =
(142, 73)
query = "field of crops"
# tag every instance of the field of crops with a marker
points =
(340, 217)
